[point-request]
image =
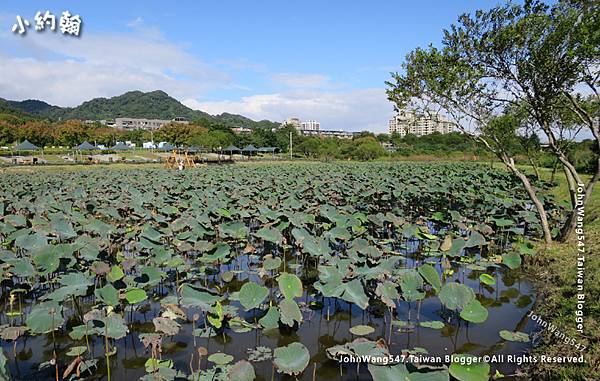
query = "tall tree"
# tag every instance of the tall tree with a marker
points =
(531, 56)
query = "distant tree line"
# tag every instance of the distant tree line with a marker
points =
(207, 134)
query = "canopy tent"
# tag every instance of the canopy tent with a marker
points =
(120, 147)
(167, 147)
(85, 146)
(231, 148)
(249, 149)
(192, 149)
(26, 145)
(268, 149)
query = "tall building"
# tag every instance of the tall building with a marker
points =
(294, 122)
(329, 133)
(311, 125)
(409, 122)
(145, 124)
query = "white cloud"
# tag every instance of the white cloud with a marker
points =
(301, 81)
(66, 71)
(352, 110)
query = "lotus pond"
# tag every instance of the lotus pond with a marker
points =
(264, 272)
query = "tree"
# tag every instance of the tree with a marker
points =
(367, 148)
(529, 56)
(72, 133)
(213, 139)
(37, 132)
(179, 133)
(6, 133)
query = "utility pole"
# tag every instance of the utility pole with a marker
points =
(291, 145)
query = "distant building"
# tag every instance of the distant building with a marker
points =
(145, 124)
(294, 122)
(388, 147)
(310, 125)
(329, 133)
(241, 130)
(409, 122)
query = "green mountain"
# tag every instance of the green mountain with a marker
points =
(133, 104)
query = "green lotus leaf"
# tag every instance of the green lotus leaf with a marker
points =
(290, 285)
(487, 279)
(400, 372)
(476, 371)
(155, 364)
(474, 312)
(271, 263)
(116, 273)
(514, 336)
(192, 296)
(135, 295)
(241, 371)
(47, 259)
(45, 317)
(76, 351)
(361, 330)
(291, 359)
(289, 312)
(220, 358)
(436, 324)
(236, 230)
(456, 296)
(512, 260)
(113, 327)
(227, 276)
(269, 234)
(388, 293)
(430, 274)
(475, 239)
(354, 292)
(410, 282)
(252, 295)
(271, 319)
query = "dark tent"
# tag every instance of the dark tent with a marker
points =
(85, 146)
(26, 145)
(270, 150)
(249, 148)
(120, 147)
(231, 148)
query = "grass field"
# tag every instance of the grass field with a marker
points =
(554, 270)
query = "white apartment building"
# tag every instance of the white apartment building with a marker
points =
(311, 125)
(294, 122)
(145, 124)
(409, 122)
(329, 133)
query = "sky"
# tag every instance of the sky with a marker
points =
(321, 60)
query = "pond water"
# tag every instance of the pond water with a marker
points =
(508, 302)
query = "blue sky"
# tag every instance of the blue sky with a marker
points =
(324, 60)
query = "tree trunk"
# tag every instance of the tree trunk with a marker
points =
(568, 228)
(535, 168)
(534, 198)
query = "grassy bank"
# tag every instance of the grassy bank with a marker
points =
(554, 271)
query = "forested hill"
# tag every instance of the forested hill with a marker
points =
(134, 104)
